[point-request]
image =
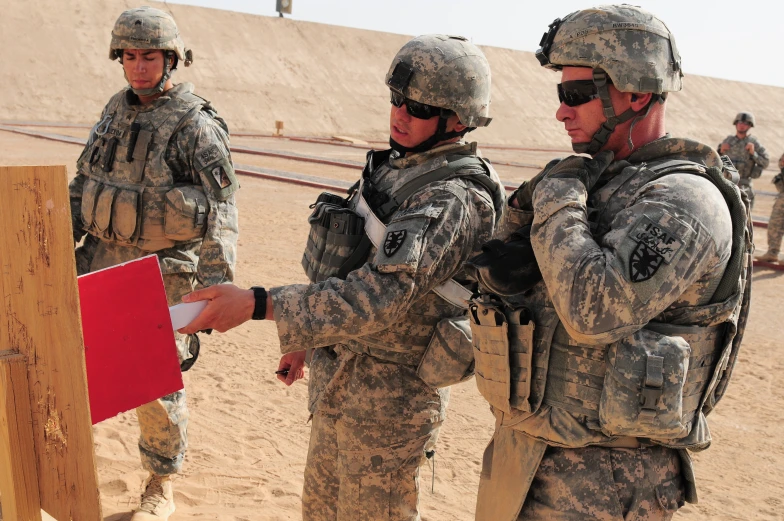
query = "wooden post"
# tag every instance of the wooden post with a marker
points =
(18, 475)
(40, 319)
(278, 128)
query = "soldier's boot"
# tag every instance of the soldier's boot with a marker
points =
(769, 256)
(157, 500)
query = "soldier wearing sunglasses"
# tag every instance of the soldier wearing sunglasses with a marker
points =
(602, 363)
(386, 307)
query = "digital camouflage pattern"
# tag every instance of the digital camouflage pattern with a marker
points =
(363, 472)
(148, 28)
(745, 117)
(776, 223)
(750, 166)
(382, 316)
(631, 45)
(605, 485)
(599, 291)
(179, 159)
(444, 71)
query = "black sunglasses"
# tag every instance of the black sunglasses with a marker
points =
(577, 92)
(414, 108)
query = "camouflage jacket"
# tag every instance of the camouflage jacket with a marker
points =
(750, 166)
(597, 286)
(203, 135)
(386, 309)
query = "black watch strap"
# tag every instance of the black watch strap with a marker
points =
(260, 309)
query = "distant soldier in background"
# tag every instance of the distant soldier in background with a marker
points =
(156, 177)
(746, 152)
(776, 223)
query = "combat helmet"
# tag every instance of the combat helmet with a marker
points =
(744, 117)
(149, 28)
(448, 72)
(625, 46)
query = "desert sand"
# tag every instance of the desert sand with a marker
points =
(249, 433)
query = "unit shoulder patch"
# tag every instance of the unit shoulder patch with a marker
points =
(656, 245)
(394, 241)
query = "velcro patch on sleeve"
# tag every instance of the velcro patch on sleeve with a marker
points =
(209, 155)
(404, 239)
(653, 243)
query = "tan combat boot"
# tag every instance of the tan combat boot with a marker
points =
(157, 500)
(769, 256)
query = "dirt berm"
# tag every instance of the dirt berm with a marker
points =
(319, 79)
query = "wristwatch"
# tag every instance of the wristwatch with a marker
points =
(260, 309)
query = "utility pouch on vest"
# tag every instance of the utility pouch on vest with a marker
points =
(125, 216)
(490, 331)
(90, 191)
(186, 213)
(449, 357)
(335, 236)
(103, 210)
(643, 387)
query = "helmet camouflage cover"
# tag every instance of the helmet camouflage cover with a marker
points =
(148, 28)
(447, 72)
(634, 47)
(744, 117)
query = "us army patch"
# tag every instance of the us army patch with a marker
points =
(208, 156)
(656, 245)
(394, 241)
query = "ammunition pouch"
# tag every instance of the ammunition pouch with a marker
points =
(503, 342)
(149, 218)
(336, 241)
(449, 357)
(656, 380)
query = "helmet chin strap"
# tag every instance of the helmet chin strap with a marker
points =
(167, 72)
(601, 136)
(440, 135)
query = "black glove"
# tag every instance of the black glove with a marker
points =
(525, 193)
(584, 169)
(507, 268)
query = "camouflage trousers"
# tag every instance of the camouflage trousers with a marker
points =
(163, 423)
(776, 225)
(602, 484)
(361, 472)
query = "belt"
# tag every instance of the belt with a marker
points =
(624, 442)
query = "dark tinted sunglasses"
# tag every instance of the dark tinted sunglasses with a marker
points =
(414, 108)
(577, 92)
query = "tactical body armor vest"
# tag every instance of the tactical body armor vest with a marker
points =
(131, 196)
(742, 160)
(657, 384)
(341, 240)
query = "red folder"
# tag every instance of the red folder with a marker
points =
(129, 343)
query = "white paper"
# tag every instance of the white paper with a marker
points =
(183, 314)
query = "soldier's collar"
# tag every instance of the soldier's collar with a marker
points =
(682, 148)
(459, 147)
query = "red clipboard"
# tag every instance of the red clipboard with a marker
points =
(130, 352)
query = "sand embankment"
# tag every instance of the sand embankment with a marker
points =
(319, 79)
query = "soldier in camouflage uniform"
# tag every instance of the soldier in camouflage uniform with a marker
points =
(156, 177)
(394, 328)
(601, 364)
(776, 223)
(746, 152)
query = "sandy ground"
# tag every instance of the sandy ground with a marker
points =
(249, 433)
